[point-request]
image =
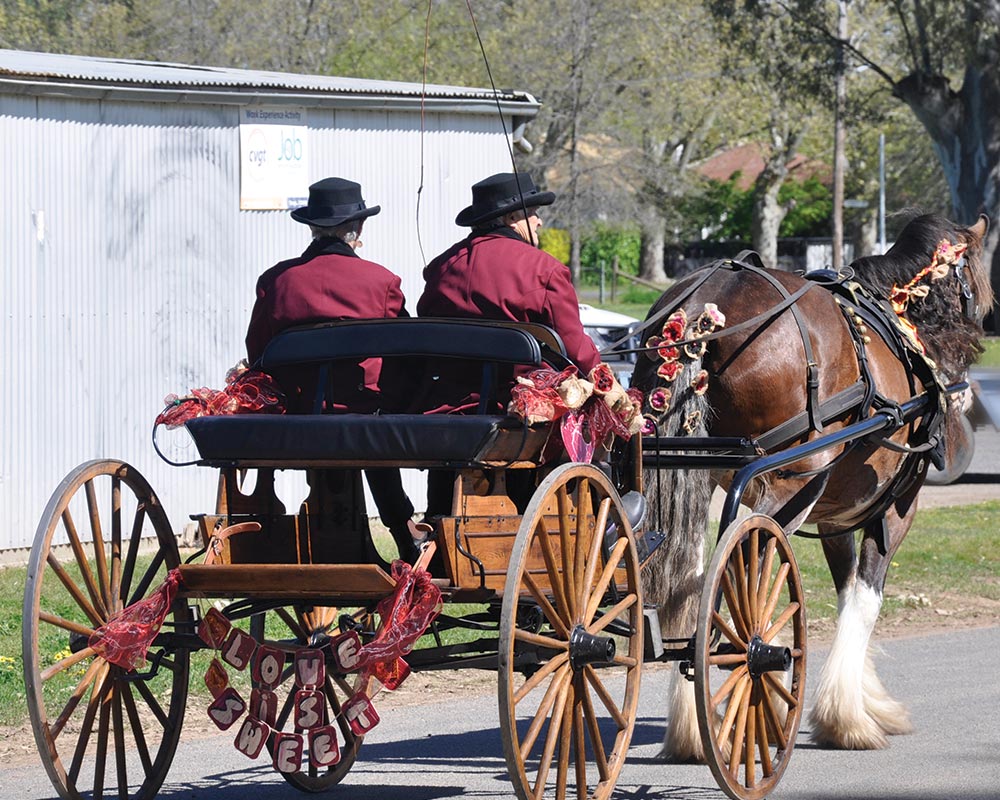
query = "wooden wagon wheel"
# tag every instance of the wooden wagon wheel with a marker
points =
(750, 658)
(102, 543)
(570, 639)
(294, 627)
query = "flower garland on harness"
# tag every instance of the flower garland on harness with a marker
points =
(677, 345)
(946, 255)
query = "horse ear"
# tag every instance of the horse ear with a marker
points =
(981, 227)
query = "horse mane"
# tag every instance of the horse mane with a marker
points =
(951, 338)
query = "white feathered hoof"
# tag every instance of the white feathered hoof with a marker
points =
(854, 732)
(682, 742)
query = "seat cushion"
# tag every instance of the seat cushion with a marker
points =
(399, 439)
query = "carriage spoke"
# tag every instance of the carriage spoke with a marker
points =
(764, 745)
(86, 575)
(540, 641)
(543, 602)
(606, 576)
(739, 731)
(114, 593)
(765, 576)
(541, 713)
(779, 623)
(742, 588)
(580, 757)
(613, 613)
(119, 733)
(128, 571)
(555, 578)
(753, 578)
(565, 735)
(137, 733)
(147, 578)
(103, 581)
(605, 696)
(727, 659)
(74, 590)
(535, 680)
(737, 675)
(595, 732)
(96, 695)
(773, 723)
(565, 544)
(65, 624)
(734, 607)
(103, 726)
(775, 595)
(66, 663)
(552, 738)
(154, 704)
(732, 710)
(74, 700)
(749, 750)
(594, 554)
(728, 632)
(777, 686)
(584, 535)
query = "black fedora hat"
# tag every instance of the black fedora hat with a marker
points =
(500, 194)
(332, 202)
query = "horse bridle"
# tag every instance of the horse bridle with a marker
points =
(970, 309)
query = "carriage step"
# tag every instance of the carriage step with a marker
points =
(299, 581)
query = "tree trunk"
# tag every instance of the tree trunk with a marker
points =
(768, 214)
(654, 239)
(965, 129)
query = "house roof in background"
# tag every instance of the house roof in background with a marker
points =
(748, 160)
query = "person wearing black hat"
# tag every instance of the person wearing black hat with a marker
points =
(498, 272)
(329, 281)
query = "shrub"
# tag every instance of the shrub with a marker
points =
(606, 242)
(555, 242)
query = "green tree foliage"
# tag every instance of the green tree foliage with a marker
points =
(725, 211)
(605, 244)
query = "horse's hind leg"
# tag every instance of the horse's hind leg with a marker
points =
(852, 709)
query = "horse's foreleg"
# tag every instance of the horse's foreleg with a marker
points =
(852, 708)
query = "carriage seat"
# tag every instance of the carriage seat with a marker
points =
(296, 440)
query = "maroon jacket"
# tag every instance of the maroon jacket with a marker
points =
(328, 282)
(497, 275)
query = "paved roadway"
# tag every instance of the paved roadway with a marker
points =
(949, 682)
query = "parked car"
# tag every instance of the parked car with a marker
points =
(606, 328)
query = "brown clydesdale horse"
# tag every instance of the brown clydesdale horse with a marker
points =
(756, 380)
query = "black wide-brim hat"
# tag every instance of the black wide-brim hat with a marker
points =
(500, 194)
(332, 202)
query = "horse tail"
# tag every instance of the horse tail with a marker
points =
(678, 501)
(672, 578)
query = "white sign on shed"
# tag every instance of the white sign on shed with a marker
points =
(274, 158)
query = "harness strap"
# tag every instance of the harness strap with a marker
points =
(830, 409)
(812, 368)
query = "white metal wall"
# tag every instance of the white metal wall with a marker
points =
(128, 270)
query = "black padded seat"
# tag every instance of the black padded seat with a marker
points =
(348, 439)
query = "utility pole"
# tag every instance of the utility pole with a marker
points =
(839, 138)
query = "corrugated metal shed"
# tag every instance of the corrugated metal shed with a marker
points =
(128, 267)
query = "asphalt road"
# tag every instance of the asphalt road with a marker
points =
(452, 751)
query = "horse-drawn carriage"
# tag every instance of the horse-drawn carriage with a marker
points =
(307, 617)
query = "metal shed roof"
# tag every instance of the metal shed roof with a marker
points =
(25, 72)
